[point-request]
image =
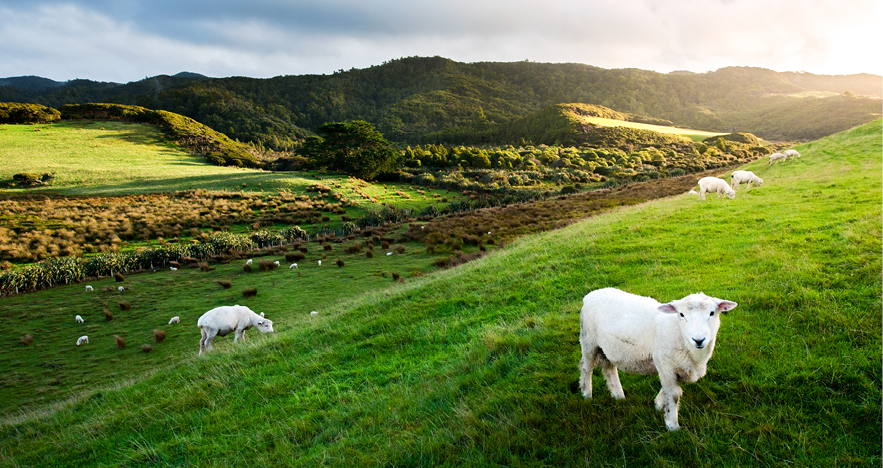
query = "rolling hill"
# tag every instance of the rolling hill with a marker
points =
(433, 99)
(477, 365)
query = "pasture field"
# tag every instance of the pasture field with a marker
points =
(695, 135)
(477, 365)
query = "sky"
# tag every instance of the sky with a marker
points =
(128, 40)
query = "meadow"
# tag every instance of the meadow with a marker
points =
(477, 365)
(695, 135)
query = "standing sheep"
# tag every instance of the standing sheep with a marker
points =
(745, 176)
(713, 184)
(776, 157)
(89, 288)
(221, 321)
(642, 336)
(791, 153)
(82, 340)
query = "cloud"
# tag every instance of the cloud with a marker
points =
(125, 40)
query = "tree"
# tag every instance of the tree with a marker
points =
(355, 148)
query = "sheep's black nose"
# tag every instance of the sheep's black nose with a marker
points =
(699, 342)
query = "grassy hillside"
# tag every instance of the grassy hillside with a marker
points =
(478, 365)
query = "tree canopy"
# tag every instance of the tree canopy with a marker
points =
(355, 148)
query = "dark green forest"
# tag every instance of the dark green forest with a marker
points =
(419, 100)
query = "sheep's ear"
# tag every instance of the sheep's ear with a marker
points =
(725, 306)
(260, 322)
(668, 309)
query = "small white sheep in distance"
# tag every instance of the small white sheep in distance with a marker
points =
(78, 319)
(692, 192)
(713, 184)
(175, 319)
(248, 262)
(82, 340)
(791, 153)
(88, 288)
(776, 157)
(320, 262)
(293, 265)
(276, 263)
(121, 289)
(744, 176)
(639, 335)
(314, 313)
(173, 268)
(222, 321)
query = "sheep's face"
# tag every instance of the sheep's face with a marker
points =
(731, 194)
(759, 182)
(699, 318)
(265, 325)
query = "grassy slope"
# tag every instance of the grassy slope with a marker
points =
(695, 135)
(476, 365)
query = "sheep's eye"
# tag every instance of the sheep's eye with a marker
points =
(711, 314)
(682, 315)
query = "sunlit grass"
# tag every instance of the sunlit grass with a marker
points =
(695, 135)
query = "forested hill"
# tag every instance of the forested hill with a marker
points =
(433, 99)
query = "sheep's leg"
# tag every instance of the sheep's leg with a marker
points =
(612, 377)
(702, 194)
(209, 338)
(586, 364)
(202, 341)
(670, 397)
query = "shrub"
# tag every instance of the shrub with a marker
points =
(369, 254)
(118, 277)
(250, 292)
(400, 248)
(225, 284)
(340, 263)
(121, 343)
(159, 336)
(125, 306)
(384, 245)
(327, 247)
(246, 268)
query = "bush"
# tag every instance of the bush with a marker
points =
(250, 292)
(19, 113)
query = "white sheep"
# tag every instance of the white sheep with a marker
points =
(314, 313)
(88, 288)
(320, 262)
(173, 268)
(121, 289)
(776, 157)
(222, 321)
(175, 319)
(745, 176)
(276, 263)
(78, 319)
(248, 262)
(692, 192)
(791, 153)
(642, 336)
(82, 340)
(713, 184)
(388, 254)
(293, 265)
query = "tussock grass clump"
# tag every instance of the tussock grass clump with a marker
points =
(108, 315)
(174, 264)
(246, 268)
(121, 343)
(400, 248)
(146, 348)
(292, 257)
(369, 254)
(26, 339)
(119, 278)
(327, 247)
(125, 306)
(384, 245)
(159, 336)
(204, 266)
(340, 263)
(225, 284)
(250, 292)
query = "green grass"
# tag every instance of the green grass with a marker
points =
(476, 366)
(695, 135)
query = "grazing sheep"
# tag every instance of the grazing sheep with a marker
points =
(642, 336)
(791, 153)
(82, 340)
(776, 157)
(713, 184)
(221, 321)
(692, 192)
(248, 262)
(745, 176)
(78, 319)
(89, 288)
(121, 289)
(173, 269)
(388, 254)
(276, 263)
(121, 343)
(175, 319)
(293, 265)
(314, 313)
